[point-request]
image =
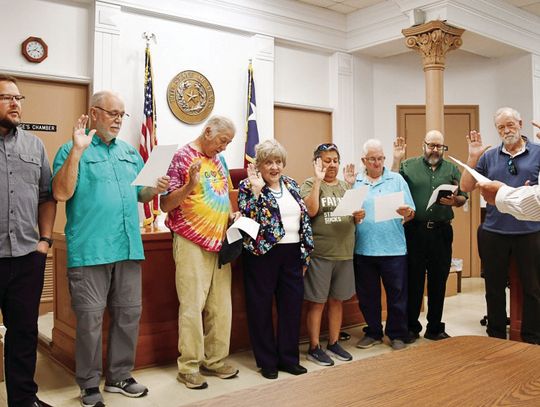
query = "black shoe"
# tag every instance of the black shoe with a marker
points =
(344, 336)
(39, 403)
(436, 337)
(293, 369)
(411, 337)
(269, 373)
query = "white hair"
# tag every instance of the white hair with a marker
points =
(372, 144)
(506, 110)
(219, 125)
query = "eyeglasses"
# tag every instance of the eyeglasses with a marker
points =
(112, 115)
(440, 147)
(373, 160)
(326, 147)
(512, 169)
(7, 99)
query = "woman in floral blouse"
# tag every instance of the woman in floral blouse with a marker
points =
(275, 262)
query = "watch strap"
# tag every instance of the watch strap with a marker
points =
(46, 239)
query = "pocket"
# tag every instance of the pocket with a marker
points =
(129, 165)
(30, 168)
(96, 169)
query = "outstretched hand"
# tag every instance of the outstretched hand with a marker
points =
(255, 179)
(81, 140)
(349, 174)
(399, 149)
(476, 147)
(318, 169)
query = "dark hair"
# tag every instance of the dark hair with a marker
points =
(7, 78)
(323, 148)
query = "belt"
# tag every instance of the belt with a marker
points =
(430, 224)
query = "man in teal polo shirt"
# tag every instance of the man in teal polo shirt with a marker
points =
(93, 174)
(430, 235)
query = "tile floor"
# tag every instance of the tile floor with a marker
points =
(56, 386)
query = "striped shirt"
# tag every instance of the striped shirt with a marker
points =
(523, 203)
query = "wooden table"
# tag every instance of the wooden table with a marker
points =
(460, 371)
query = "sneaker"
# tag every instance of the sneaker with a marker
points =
(224, 372)
(367, 342)
(128, 387)
(91, 397)
(319, 357)
(338, 352)
(397, 344)
(192, 380)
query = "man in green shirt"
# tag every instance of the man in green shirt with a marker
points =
(93, 174)
(430, 235)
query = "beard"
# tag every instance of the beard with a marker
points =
(511, 139)
(9, 124)
(433, 158)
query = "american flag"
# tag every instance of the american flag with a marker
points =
(252, 133)
(148, 132)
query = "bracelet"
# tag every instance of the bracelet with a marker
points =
(46, 239)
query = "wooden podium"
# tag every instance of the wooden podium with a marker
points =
(158, 333)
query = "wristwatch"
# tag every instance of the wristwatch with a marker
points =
(46, 239)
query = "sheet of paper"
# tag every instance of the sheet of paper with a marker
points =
(477, 176)
(386, 206)
(156, 166)
(351, 202)
(443, 187)
(248, 225)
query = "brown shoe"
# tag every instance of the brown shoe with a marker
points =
(192, 380)
(224, 372)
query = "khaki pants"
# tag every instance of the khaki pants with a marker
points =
(205, 312)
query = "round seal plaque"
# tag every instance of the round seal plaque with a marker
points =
(190, 96)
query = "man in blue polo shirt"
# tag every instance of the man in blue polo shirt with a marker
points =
(93, 174)
(515, 162)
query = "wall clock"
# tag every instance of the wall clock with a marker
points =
(34, 49)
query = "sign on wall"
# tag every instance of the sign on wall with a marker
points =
(190, 96)
(39, 127)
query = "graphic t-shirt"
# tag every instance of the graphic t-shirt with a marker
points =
(333, 235)
(203, 216)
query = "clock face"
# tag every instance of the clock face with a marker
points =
(35, 49)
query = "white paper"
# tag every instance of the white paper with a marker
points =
(443, 187)
(248, 225)
(386, 206)
(477, 176)
(351, 202)
(156, 166)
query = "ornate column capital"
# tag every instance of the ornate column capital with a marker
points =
(433, 40)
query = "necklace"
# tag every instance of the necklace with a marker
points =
(279, 194)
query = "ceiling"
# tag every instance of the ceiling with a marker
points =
(348, 6)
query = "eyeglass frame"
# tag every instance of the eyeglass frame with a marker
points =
(113, 115)
(7, 99)
(438, 147)
(511, 166)
(373, 160)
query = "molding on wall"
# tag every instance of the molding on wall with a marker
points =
(263, 74)
(106, 46)
(303, 107)
(85, 80)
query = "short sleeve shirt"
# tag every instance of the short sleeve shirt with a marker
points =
(204, 215)
(333, 235)
(422, 181)
(385, 238)
(102, 215)
(25, 178)
(494, 165)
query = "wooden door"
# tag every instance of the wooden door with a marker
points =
(300, 131)
(459, 120)
(58, 104)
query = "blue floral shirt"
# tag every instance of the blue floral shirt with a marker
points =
(265, 211)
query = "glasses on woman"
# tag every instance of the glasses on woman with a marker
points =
(511, 165)
(373, 160)
(326, 147)
(439, 147)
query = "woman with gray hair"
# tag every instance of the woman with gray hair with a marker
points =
(275, 261)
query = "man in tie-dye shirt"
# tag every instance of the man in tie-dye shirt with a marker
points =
(199, 211)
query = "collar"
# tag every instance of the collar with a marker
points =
(12, 133)
(429, 166)
(361, 177)
(96, 140)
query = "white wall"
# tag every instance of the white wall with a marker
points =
(301, 77)
(64, 26)
(221, 56)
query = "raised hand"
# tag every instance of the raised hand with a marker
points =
(318, 169)
(81, 140)
(399, 149)
(255, 179)
(476, 148)
(349, 174)
(194, 173)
